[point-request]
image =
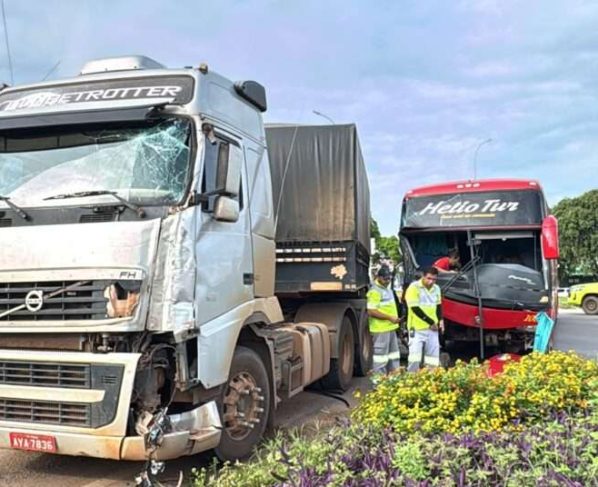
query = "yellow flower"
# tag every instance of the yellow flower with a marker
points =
(464, 398)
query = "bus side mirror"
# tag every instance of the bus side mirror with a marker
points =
(550, 238)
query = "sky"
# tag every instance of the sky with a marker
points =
(426, 82)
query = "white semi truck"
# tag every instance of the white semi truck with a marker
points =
(170, 270)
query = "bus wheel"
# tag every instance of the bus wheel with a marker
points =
(244, 406)
(341, 368)
(445, 360)
(590, 305)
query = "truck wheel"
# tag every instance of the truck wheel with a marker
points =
(341, 368)
(590, 305)
(364, 353)
(244, 406)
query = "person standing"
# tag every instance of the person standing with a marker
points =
(383, 320)
(424, 320)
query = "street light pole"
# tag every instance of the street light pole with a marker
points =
(475, 157)
(320, 114)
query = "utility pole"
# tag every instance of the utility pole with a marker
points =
(320, 114)
(12, 78)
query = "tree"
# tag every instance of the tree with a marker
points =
(374, 229)
(387, 246)
(578, 234)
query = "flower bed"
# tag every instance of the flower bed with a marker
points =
(464, 399)
(535, 424)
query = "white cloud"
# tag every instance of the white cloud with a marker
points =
(484, 7)
(492, 69)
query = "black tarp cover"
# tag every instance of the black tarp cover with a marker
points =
(320, 172)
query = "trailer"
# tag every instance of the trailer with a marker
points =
(321, 197)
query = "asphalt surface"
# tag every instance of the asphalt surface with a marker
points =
(23, 469)
(574, 331)
(577, 331)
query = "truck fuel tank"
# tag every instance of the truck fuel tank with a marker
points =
(311, 342)
(302, 354)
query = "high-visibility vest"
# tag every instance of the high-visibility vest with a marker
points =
(382, 299)
(426, 299)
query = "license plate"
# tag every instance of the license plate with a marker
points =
(31, 442)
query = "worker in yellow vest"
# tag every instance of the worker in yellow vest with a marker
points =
(383, 323)
(424, 320)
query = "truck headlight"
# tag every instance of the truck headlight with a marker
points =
(123, 298)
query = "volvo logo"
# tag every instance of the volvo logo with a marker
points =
(34, 300)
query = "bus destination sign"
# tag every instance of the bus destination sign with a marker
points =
(497, 208)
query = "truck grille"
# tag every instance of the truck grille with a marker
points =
(62, 413)
(44, 374)
(84, 302)
(104, 377)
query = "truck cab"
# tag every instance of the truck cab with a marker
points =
(138, 313)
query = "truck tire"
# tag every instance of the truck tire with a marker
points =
(341, 368)
(364, 353)
(244, 406)
(590, 305)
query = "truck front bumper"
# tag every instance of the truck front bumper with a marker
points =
(82, 400)
(193, 432)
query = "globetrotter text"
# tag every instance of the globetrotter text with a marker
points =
(48, 98)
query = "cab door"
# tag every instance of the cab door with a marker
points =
(224, 275)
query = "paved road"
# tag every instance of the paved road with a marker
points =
(21, 469)
(577, 331)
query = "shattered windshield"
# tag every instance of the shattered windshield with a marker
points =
(147, 162)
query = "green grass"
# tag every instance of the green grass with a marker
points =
(564, 304)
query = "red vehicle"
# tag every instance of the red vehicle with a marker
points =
(508, 247)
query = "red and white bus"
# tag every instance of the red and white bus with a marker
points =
(508, 246)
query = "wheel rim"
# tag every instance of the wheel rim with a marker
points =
(243, 406)
(591, 305)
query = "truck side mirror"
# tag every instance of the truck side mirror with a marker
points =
(228, 170)
(550, 238)
(226, 209)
